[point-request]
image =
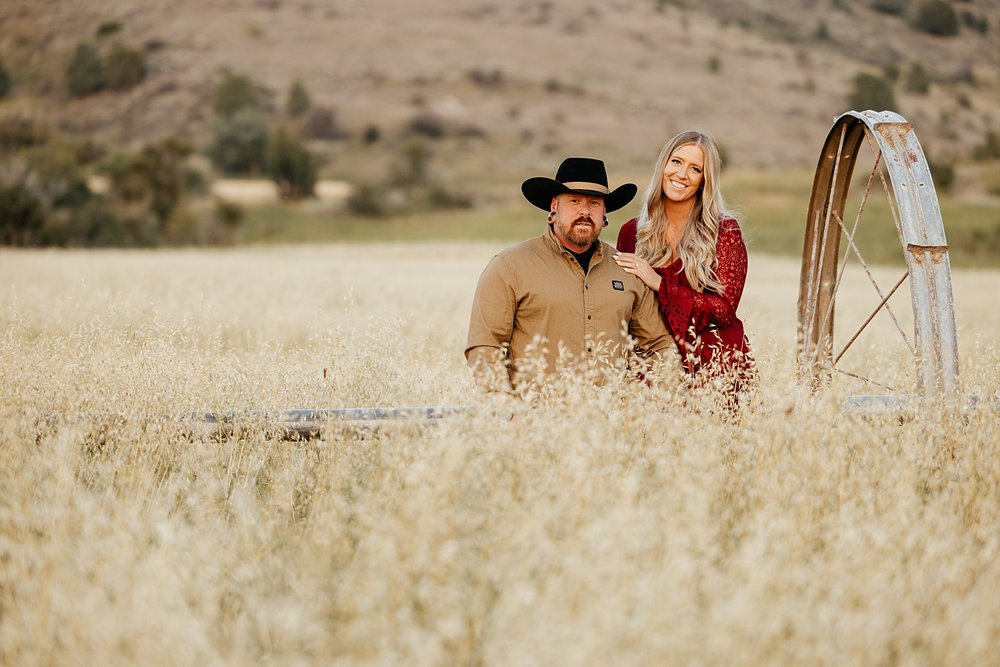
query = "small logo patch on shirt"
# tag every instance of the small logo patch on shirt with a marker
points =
(618, 285)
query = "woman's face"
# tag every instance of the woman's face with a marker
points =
(684, 173)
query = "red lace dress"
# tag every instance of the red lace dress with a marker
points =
(705, 326)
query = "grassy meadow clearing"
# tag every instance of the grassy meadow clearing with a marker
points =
(625, 525)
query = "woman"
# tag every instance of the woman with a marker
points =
(689, 250)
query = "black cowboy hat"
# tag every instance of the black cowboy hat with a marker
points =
(583, 175)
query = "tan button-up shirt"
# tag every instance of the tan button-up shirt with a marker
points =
(534, 298)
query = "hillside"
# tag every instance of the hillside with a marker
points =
(515, 85)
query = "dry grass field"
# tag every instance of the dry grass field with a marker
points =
(617, 526)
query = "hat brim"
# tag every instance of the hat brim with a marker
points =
(540, 191)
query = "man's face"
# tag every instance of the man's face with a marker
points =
(579, 219)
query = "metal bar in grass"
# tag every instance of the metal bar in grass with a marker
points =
(864, 379)
(300, 422)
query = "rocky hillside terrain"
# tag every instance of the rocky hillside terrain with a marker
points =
(505, 89)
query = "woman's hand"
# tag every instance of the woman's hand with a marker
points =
(639, 267)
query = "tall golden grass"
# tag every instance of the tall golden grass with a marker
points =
(624, 525)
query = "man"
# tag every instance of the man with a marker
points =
(560, 297)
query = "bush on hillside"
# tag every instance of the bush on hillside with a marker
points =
(56, 176)
(126, 68)
(229, 215)
(893, 7)
(978, 23)
(426, 125)
(871, 92)
(108, 28)
(371, 134)
(367, 200)
(918, 81)
(989, 149)
(412, 170)
(152, 180)
(4, 80)
(235, 93)
(321, 123)
(936, 17)
(20, 131)
(943, 174)
(298, 100)
(21, 216)
(240, 142)
(85, 72)
(290, 164)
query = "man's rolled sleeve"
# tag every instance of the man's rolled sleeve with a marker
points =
(492, 323)
(647, 327)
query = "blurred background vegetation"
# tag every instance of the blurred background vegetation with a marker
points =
(272, 121)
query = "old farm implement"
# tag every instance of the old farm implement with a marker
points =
(899, 173)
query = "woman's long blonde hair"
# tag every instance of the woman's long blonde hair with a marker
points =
(696, 247)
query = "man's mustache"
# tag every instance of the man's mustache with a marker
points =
(584, 218)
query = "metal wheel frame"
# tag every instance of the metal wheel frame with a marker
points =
(917, 215)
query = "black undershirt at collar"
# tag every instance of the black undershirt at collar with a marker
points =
(582, 258)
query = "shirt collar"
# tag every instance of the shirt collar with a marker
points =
(556, 246)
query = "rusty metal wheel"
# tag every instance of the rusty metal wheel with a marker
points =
(888, 143)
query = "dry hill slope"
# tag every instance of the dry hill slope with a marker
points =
(521, 82)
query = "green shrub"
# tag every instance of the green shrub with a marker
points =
(894, 7)
(321, 123)
(936, 17)
(152, 178)
(918, 81)
(4, 80)
(714, 64)
(235, 93)
(367, 201)
(298, 100)
(196, 181)
(56, 176)
(871, 92)
(290, 164)
(486, 78)
(978, 23)
(989, 149)
(92, 225)
(85, 73)
(372, 134)
(441, 198)
(229, 214)
(21, 216)
(943, 174)
(108, 28)
(413, 169)
(240, 142)
(126, 68)
(228, 220)
(426, 125)
(20, 131)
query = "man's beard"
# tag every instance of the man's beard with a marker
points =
(582, 235)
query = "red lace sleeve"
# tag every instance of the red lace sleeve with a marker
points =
(626, 236)
(680, 305)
